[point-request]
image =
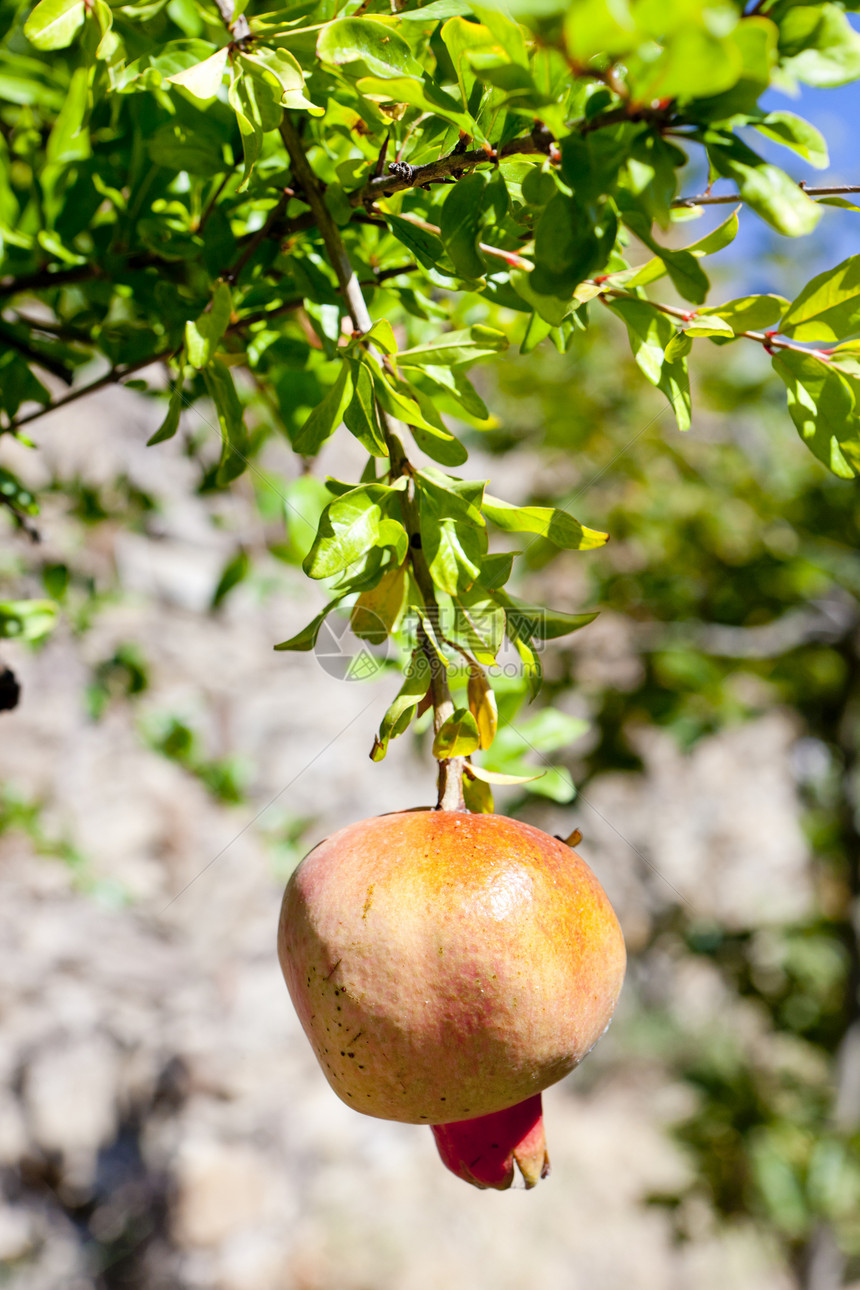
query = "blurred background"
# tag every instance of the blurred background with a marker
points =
(163, 1123)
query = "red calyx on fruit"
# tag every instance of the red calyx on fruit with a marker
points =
(483, 1151)
(448, 967)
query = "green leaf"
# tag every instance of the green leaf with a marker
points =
(460, 224)
(770, 192)
(53, 24)
(439, 444)
(405, 705)
(307, 637)
(69, 140)
(457, 737)
(255, 97)
(456, 348)
(679, 346)
(496, 569)
(16, 493)
(360, 416)
(234, 436)
(499, 777)
(748, 313)
(376, 610)
(452, 384)
(27, 620)
(170, 424)
(593, 27)
(686, 274)
(821, 405)
(18, 384)
(426, 247)
(423, 95)
(552, 308)
(718, 238)
(203, 80)
(436, 10)
(530, 659)
(374, 45)
(528, 623)
(712, 325)
(828, 308)
(482, 705)
(326, 417)
(280, 64)
(453, 536)
(650, 333)
(819, 45)
(476, 624)
(796, 133)
(534, 622)
(203, 336)
(459, 498)
(462, 39)
(235, 570)
(477, 796)
(570, 244)
(694, 64)
(382, 336)
(548, 521)
(394, 399)
(350, 526)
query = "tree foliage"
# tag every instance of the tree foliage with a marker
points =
(352, 206)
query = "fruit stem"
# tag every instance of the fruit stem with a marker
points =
(450, 782)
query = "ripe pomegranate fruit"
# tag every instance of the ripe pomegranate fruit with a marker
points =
(446, 968)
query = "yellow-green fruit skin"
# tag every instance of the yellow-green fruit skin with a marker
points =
(447, 965)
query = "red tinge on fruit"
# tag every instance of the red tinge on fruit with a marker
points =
(448, 967)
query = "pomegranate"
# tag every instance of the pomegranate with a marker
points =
(447, 967)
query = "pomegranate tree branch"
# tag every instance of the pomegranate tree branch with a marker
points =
(730, 199)
(769, 339)
(450, 795)
(401, 175)
(117, 374)
(111, 377)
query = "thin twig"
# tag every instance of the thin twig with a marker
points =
(48, 279)
(45, 361)
(264, 315)
(455, 163)
(768, 339)
(382, 275)
(510, 257)
(210, 205)
(117, 374)
(232, 274)
(111, 377)
(450, 785)
(729, 199)
(22, 522)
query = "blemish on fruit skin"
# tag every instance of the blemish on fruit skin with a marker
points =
(367, 902)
